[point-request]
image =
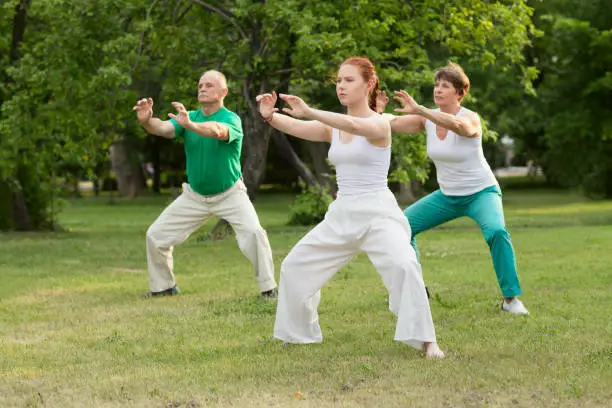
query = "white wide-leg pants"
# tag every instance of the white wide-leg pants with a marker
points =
(188, 212)
(375, 224)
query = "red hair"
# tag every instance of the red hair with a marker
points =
(368, 72)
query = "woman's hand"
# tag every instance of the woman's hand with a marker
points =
(409, 105)
(266, 105)
(297, 107)
(381, 101)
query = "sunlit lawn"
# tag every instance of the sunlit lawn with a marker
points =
(74, 332)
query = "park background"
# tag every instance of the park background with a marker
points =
(80, 182)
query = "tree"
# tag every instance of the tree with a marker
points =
(567, 123)
(84, 64)
(19, 197)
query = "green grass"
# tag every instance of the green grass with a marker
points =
(74, 332)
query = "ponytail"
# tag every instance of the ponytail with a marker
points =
(374, 94)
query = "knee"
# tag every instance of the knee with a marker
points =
(495, 233)
(291, 271)
(155, 235)
(408, 266)
(250, 234)
(256, 230)
(151, 233)
(288, 266)
(415, 227)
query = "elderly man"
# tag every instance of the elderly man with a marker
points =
(212, 137)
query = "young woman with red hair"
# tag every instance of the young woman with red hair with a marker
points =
(364, 217)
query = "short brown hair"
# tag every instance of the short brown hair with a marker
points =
(454, 74)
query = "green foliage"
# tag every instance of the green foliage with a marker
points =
(310, 205)
(575, 97)
(565, 123)
(84, 64)
(409, 158)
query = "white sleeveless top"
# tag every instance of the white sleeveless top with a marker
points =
(460, 162)
(360, 166)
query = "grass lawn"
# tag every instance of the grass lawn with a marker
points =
(74, 332)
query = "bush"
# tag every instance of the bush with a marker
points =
(38, 202)
(310, 205)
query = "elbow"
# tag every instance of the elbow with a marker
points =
(221, 133)
(395, 127)
(465, 130)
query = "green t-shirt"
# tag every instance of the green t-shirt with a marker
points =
(213, 166)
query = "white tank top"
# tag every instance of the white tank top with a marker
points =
(460, 163)
(360, 166)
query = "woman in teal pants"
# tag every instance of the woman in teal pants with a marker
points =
(468, 187)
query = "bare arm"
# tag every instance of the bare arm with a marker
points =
(406, 124)
(372, 127)
(155, 126)
(158, 127)
(467, 125)
(403, 125)
(303, 129)
(214, 130)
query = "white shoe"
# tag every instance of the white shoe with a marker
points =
(515, 307)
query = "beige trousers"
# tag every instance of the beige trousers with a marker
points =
(188, 212)
(372, 223)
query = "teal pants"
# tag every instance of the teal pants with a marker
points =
(484, 207)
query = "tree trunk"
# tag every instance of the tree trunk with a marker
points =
(6, 207)
(151, 87)
(221, 230)
(322, 169)
(405, 194)
(19, 26)
(255, 146)
(96, 185)
(16, 201)
(21, 218)
(409, 192)
(76, 189)
(285, 148)
(286, 151)
(156, 166)
(130, 177)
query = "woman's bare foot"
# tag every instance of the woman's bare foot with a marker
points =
(433, 351)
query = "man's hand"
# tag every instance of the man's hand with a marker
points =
(182, 118)
(219, 130)
(144, 110)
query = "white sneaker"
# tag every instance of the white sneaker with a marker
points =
(515, 307)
